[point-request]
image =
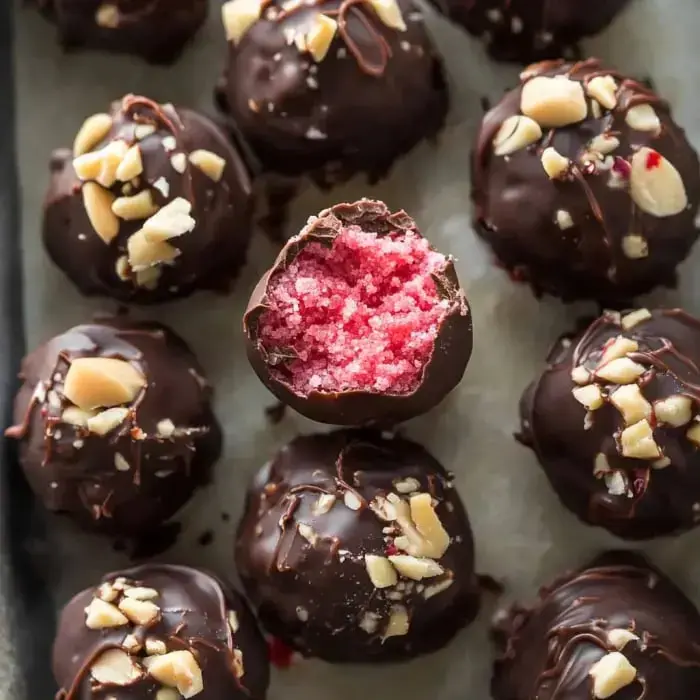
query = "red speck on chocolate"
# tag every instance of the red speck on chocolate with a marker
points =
(281, 655)
(391, 550)
(621, 167)
(653, 160)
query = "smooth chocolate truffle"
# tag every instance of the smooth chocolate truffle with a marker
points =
(152, 204)
(157, 30)
(331, 88)
(531, 30)
(614, 421)
(159, 632)
(356, 548)
(619, 629)
(359, 321)
(115, 425)
(583, 184)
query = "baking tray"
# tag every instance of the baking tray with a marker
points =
(523, 536)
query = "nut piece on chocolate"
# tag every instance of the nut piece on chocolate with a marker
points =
(159, 632)
(356, 548)
(152, 203)
(157, 30)
(531, 30)
(615, 422)
(359, 321)
(618, 629)
(329, 89)
(584, 186)
(115, 425)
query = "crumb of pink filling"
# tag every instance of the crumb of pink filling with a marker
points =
(362, 315)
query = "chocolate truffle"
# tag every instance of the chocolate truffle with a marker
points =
(618, 629)
(153, 203)
(531, 30)
(359, 321)
(356, 548)
(157, 30)
(583, 184)
(115, 425)
(614, 421)
(329, 88)
(159, 632)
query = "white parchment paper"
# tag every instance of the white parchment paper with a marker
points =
(523, 535)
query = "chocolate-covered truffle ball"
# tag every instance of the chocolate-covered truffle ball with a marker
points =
(153, 203)
(583, 184)
(157, 30)
(330, 88)
(356, 548)
(159, 632)
(115, 425)
(614, 421)
(359, 321)
(618, 629)
(531, 30)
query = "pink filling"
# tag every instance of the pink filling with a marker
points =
(362, 315)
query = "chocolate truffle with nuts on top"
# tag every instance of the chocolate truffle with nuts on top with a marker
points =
(157, 30)
(331, 88)
(152, 204)
(359, 321)
(615, 422)
(115, 425)
(583, 184)
(531, 30)
(356, 548)
(617, 629)
(159, 632)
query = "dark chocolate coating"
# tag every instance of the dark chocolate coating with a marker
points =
(210, 255)
(658, 498)
(75, 471)
(195, 615)
(157, 30)
(442, 373)
(531, 30)
(319, 598)
(547, 651)
(517, 204)
(377, 93)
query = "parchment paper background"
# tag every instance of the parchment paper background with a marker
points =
(523, 535)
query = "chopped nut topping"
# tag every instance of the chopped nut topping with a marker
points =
(165, 428)
(101, 165)
(108, 420)
(414, 568)
(635, 247)
(209, 163)
(635, 318)
(436, 589)
(616, 483)
(603, 89)
(554, 163)
(589, 396)
(155, 647)
(171, 221)
(604, 144)
(120, 463)
(237, 663)
(553, 102)
(619, 638)
(580, 375)
(620, 347)
(98, 207)
(141, 593)
(516, 132)
(131, 644)
(693, 434)
(319, 37)
(656, 187)
(140, 612)
(168, 694)
(675, 410)
(102, 615)
(142, 131)
(601, 465)
(564, 220)
(381, 572)
(661, 463)
(179, 162)
(308, 533)
(352, 501)
(238, 17)
(612, 673)
(398, 622)
(631, 403)
(408, 485)
(638, 442)
(233, 622)
(389, 13)
(147, 278)
(107, 16)
(76, 416)
(643, 118)
(95, 382)
(115, 667)
(121, 267)
(138, 206)
(107, 593)
(177, 669)
(131, 165)
(428, 524)
(621, 371)
(324, 503)
(144, 253)
(369, 622)
(383, 509)
(93, 130)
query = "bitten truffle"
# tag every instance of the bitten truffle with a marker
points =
(359, 321)
(159, 632)
(583, 184)
(152, 204)
(157, 30)
(356, 548)
(330, 89)
(531, 30)
(618, 629)
(115, 425)
(615, 422)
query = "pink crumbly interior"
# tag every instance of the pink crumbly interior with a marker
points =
(362, 315)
